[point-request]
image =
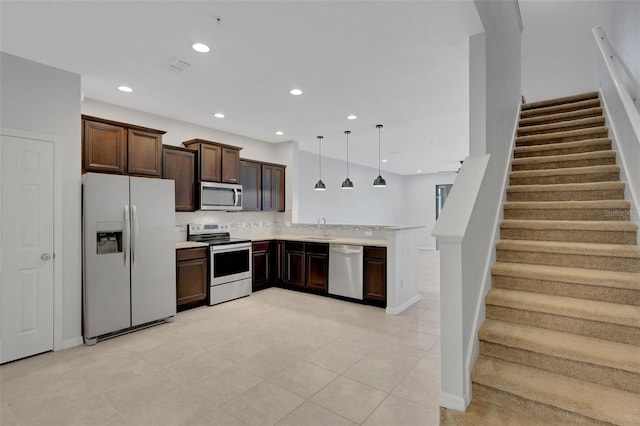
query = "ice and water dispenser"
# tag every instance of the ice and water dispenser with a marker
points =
(109, 237)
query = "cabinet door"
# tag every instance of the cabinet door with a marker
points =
(294, 264)
(317, 271)
(280, 262)
(144, 153)
(179, 164)
(104, 148)
(261, 272)
(267, 187)
(210, 158)
(251, 181)
(191, 276)
(375, 275)
(230, 165)
(278, 189)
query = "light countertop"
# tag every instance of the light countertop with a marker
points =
(318, 239)
(189, 244)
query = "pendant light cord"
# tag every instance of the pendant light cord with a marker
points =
(379, 126)
(320, 157)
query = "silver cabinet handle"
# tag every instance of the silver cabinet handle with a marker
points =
(45, 256)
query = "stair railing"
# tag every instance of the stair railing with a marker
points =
(621, 105)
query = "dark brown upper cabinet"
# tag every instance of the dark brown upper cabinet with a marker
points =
(113, 147)
(217, 162)
(263, 185)
(179, 164)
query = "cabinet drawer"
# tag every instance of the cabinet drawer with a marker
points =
(319, 248)
(375, 252)
(191, 253)
(260, 245)
(294, 246)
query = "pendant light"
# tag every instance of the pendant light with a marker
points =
(320, 186)
(347, 184)
(379, 182)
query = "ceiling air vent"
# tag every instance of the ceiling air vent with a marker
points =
(177, 65)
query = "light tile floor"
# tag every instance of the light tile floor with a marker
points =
(278, 357)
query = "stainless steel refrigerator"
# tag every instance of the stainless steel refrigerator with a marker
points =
(129, 276)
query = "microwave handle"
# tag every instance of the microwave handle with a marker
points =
(235, 197)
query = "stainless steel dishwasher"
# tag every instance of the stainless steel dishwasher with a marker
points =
(345, 270)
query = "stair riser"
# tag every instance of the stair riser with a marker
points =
(560, 179)
(559, 288)
(576, 236)
(560, 127)
(568, 214)
(605, 376)
(550, 150)
(606, 263)
(552, 138)
(605, 161)
(536, 112)
(563, 100)
(556, 118)
(579, 326)
(566, 195)
(553, 415)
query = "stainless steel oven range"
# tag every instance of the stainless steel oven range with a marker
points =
(229, 262)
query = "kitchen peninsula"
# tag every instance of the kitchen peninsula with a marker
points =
(401, 243)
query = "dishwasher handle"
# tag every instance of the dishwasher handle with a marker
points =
(344, 249)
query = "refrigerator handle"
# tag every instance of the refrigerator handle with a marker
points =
(134, 239)
(127, 234)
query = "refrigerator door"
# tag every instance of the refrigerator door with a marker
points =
(153, 256)
(106, 292)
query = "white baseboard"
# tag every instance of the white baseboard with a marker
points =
(453, 402)
(70, 343)
(405, 305)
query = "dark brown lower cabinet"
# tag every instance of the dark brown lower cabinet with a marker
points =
(294, 264)
(317, 266)
(262, 268)
(191, 277)
(375, 275)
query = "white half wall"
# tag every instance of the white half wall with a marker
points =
(557, 48)
(41, 99)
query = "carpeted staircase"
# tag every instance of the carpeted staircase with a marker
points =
(561, 341)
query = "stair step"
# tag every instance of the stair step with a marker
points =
(609, 257)
(555, 109)
(567, 136)
(567, 192)
(607, 173)
(586, 358)
(585, 159)
(606, 286)
(482, 413)
(560, 101)
(562, 126)
(593, 318)
(600, 210)
(605, 232)
(563, 116)
(559, 399)
(562, 148)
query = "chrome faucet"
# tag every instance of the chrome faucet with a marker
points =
(322, 219)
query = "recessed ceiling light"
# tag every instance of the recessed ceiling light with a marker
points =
(295, 92)
(418, 171)
(351, 117)
(200, 47)
(279, 133)
(218, 115)
(126, 89)
(385, 161)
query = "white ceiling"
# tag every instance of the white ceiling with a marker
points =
(403, 64)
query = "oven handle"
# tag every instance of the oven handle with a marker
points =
(230, 247)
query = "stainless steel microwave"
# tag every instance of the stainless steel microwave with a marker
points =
(220, 196)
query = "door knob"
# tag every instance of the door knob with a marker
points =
(45, 256)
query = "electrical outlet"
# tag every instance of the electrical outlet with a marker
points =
(368, 233)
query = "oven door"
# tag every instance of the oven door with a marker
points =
(230, 262)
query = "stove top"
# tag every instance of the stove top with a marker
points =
(208, 233)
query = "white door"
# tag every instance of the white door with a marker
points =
(26, 259)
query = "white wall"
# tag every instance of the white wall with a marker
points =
(557, 48)
(46, 100)
(420, 203)
(363, 205)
